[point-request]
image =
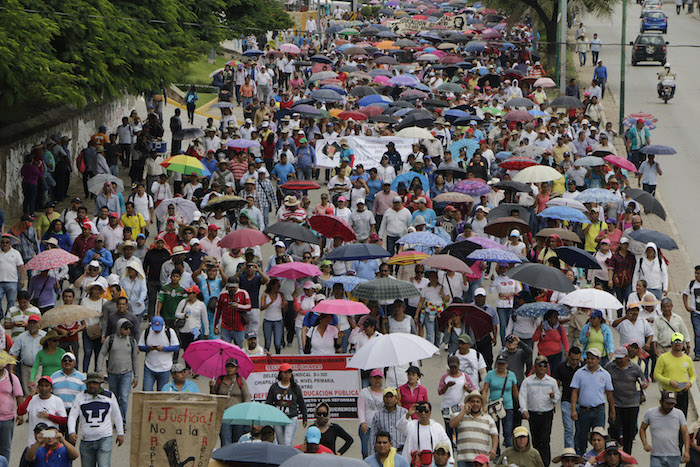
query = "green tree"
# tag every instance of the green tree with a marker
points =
(256, 16)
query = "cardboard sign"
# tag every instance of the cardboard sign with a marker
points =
(368, 150)
(174, 429)
(322, 378)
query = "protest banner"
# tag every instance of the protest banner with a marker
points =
(400, 26)
(368, 150)
(322, 378)
(172, 429)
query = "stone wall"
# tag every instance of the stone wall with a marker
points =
(80, 125)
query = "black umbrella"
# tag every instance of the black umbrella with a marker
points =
(403, 104)
(456, 171)
(369, 31)
(383, 119)
(661, 240)
(386, 60)
(302, 63)
(420, 120)
(511, 185)
(224, 203)
(321, 59)
(566, 102)
(542, 277)
(602, 153)
(461, 250)
(504, 210)
(303, 101)
(254, 454)
(362, 91)
(574, 256)
(293, 231)
(459, 38)
(435, 103)
(647, 200)
(493, 80)
(357, 251)
(188, 133)
(348, 69)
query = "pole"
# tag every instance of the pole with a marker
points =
(623, 63)
(563, 21)
(557, 56)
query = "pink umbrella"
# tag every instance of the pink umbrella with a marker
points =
(618, 161)
(372, 110)
(446, 263)
(290, 48)
(244, 238)
(381, 79)
(319, 67)
(341, 307)
(486, 242)
(294, 270)
(208, 358)
(49, 259)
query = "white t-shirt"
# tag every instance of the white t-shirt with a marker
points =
(142, 204)
(8, 265)
(156, 360)
(403, 327)
(322, 345)
(693, 295)
(53, 406)
(471, 363)
(455, 394)
(420, 285)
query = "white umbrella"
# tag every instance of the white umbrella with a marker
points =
(537, 174)
(572, 203)
(415, 132)
(391, 350)
(183, 207)
(592, 298)
(96, 183)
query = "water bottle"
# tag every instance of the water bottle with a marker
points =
(505, 462)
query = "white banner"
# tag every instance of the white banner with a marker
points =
(321, 379)
(458, 22)
(368, 150)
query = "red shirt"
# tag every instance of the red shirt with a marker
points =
(230, 316)
(321, 449)
(238, 169)
(409, 397)
(81, 245)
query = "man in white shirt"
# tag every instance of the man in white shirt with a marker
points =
(630, 327)
(648, 172)
(542, 141)
(211, 141)
(263, 80)
(471, 362)
(159, 342)
(395, 223)
(143, 203)
(11, 272)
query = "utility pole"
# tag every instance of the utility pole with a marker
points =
(563, 22)
(623, 63)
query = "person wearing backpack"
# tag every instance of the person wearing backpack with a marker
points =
(119, 352)
(286, 395)
(652, 268)
(159, 342)
(691, 301)
(191, 99)
(235, 387)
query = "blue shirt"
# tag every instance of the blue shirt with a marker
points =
(210, 165)
(58, 458)
(215, 286)
(496, 387)
(281, 171)
(366, 269)
(306, 157)
(591, 386)
(189, 386)
(399, 461)
(428, 215)
(600, 73)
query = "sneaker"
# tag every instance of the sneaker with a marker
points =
(696, 358)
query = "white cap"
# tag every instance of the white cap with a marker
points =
(265, 124)
(624, 240)
(280, 244)
(514, 233)
(585, 122)
(194, 241)
(113, 279)
(480, 291)
(196, 215)
(94, 264)
(248, 120)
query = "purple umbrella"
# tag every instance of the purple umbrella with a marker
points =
(404, 80)
(486, 242)
(495, 255)
(307, 109)
(472, 187)
(242, 143)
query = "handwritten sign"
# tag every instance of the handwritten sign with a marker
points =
(368, 150)
(322, 378)
(174, 429)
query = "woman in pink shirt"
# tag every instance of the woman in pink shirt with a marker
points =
(551, 338)
(412, 393)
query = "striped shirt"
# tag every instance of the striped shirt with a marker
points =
(474, 436)
(384, 420)
(230, 316)
(66, 387)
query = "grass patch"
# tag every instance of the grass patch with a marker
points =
(198, 72)
(205, 98)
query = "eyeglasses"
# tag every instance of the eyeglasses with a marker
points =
(423, 409)
(321, 414)
(542, 364)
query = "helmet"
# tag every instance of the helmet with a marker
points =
(667, 65)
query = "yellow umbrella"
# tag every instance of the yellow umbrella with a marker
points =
(407, 257)
(385, 45)
(335, 112)
(6, 359)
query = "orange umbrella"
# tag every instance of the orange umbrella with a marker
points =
(385, 45)
(335, 112)
(407, 257)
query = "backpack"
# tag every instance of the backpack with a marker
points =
(165, 328)
(80, 162)
(110, 341)
(660, 259)
(220, 380)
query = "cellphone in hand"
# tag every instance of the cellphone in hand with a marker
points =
(49, 433)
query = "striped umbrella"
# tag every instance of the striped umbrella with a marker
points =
(407, 258)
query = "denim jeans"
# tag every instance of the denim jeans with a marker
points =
(266, 215)
(555, 360)
(303, 173)
(587, 419)
(231, 433)
(96, 453)
(364, 440)
(658, 293)
(622, 293)
(285, 434)
(160, 378)
(90, 346)
(506, 424)
(345, 342)
(582, 58)
(432, 334)
(503, 318)
(120, 385)
(7, 429)
(237, 337)
(568, 424)
(664, 461)
(273, 329)
(695, 319)
(9, 291)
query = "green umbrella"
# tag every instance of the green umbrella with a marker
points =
(494, 111)
(349, 32)
(255, 413)
(386, 289)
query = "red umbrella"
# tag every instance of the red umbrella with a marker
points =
(372, 110)
(446, 263)
(451, 59)
(354, 114)
(621, 162)
(49, 259)
(420, 17)
(332, 226)
(300, 185)
(319, 67)
(208, 358)
(519, 116)
(294, 270)
(477, 319)
(517, 163)
(244, 238)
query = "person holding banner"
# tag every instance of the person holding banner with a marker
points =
(286, 395)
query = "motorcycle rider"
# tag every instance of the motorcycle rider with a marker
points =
(666, 73)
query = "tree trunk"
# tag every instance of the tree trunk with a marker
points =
(550, 28)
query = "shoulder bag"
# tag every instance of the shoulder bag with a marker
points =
(497, 409)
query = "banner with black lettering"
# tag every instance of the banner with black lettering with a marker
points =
(368, 150)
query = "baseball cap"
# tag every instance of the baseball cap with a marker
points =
(520, 431)
(450, 208)
(414, 369)
(46, 378)
(177, 367)
(233, 361)
(480, 292)
(465, 338)
(480, 459)
(194, 241)
(514, 233)
(157, 323)
(377, 372)
(34, 318)
(501, 358)
(94, 264)
(192, 289)
(612, 445)
(213, 227)
(624, 240)
(446, 447)
(677, 336)
(593, 351)
(397, 199)
(596, 314)
(280, 244)
(313, 435)
(620, 352)
(285, 367)
(541, 359)
(70, 355)
(669, 396)
(391, 391)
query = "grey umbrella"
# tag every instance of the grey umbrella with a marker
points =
(223, 105)
(542, 277)
(661, 240)
(520, 102)
(566, 102)
(504, 210)
(188, 133)
(322, 460)
(647, 200)
(362, 91)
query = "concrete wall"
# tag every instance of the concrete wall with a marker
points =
(80, 125)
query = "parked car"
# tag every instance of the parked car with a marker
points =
(649, 47)
(650, 5)
(655, 20)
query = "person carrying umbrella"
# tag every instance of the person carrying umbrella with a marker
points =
(287, 396)
(430, 305)
(234, 386)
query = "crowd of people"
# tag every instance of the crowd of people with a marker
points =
(153, 270)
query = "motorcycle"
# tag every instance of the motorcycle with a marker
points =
(668, 89)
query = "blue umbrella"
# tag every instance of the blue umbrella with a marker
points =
(373, 99)
(334, 30)
(357, 251)
(495, 255)
(658, 149)
(661, 240)
(401, 112)
(336, 88)
(475, 47)
(423, 238)
(506, 46)
(574, 256)
(456, 113)
(503, 155)
(538, 309)
(597, 195)
(253, 52)
(537, 113)
(326, 95)
(307, 110)
(471, 146)
(564, 213)
(254, 454)
(349, 282)
(408, 178)
(255, 413)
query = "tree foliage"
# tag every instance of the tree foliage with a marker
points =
(79, 51)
